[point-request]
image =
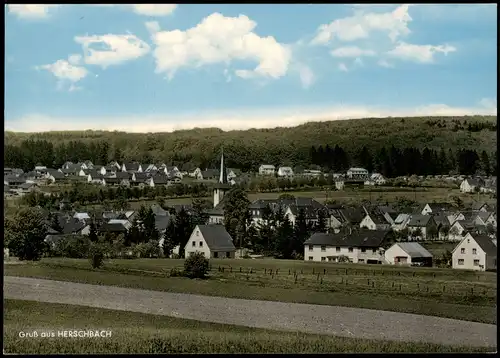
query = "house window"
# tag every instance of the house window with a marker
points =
(474, 251)
(191, 253)
(194, 243)
(197, 233)
(468, 241)
(323, 248)
(257, 212)
(460, 261)
(323, 259)
(361, 261)
(310, 258)
(374, 251)
(201, 243)
(216, 254)
(476, 262)
(311, 247)
(228, 254)
(337, 249)
(351, 249)
(363, 250)
(462, 250)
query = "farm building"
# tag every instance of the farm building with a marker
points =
(408, 253)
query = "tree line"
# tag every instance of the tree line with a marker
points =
(390, 161)
(393, 162)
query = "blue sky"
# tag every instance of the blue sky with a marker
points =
(142, 67)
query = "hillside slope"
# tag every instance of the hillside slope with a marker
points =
(289, 144)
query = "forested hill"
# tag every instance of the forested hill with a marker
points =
(250, 148)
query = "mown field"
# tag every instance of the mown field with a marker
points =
(447, 293)
(144, 333)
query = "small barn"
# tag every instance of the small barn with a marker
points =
(408, 253)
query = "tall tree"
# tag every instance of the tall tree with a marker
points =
(25, 234)
(93, 236)
(485, 162)
(183, 229)
(237, 216)
(320, 225)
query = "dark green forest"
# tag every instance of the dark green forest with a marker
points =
(393, 146)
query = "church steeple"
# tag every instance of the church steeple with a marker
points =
(222, 186)
(223, 172)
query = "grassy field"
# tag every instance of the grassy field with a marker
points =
(143, 333)
(352, 196)
(448, 293)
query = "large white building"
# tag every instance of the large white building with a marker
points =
(357, 173)
(408, 253)
(360, 247)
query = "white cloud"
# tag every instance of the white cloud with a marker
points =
(153, 26)
(307, 77)
(343, 67)
(64, 70)
(419, 53)
(351, 51)
(385, 64)
(230, 120)
(75, 59)
(490, 103)
(361, 25)
(220, 39)
(154, 9)
(147, 9)
(118, 49)
(31, 11)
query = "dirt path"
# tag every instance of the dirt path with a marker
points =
(338, 321)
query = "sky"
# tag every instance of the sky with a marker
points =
(159, 68)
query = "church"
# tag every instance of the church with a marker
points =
(216, 215)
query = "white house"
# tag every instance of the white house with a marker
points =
(408, 253)
(374, 221)
(475, 252)
(212, 240)
(470, 185)
(401, 221)
(195, 173)
(436, 208)
(485, 218)
(267, 169)
(286, 172)
(424, 223)
(361, 247)
(460, 228)
(339, 184)
(357, 173)
(378, 179)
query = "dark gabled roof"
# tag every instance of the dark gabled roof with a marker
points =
(26, 185)
(56, 174)
(441, 219)
(419, 220)
(486, 244)
(123, 175)
(210, 173)
(110, 215)
(160, 179)
(362, 238)
(475, 181)
(141, 176)
(260, 204)
(309, 211)
(353, 215)
(112, 227)
(217, 238)
(377, 217)
(436, 207)
(113, 180)
(162, 221)
(72, 226)
(132, 166)
(14, 179)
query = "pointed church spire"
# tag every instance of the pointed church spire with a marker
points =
(223, 175)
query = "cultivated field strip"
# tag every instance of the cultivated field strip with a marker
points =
(338, 321)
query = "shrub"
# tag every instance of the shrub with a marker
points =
(96, 256)
(73, 246)
(196, 266)
(176, 273)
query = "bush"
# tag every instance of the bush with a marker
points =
(74, 247)
(96, 256)
(176, 273)
(196, 266)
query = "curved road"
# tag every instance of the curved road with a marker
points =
(332, 320)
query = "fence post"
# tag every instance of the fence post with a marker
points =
(472, 290)
(289, 271)
(400, 287)
(231, 269)
(321, 280)
(373, 283)
(240, 269)
(313, 270)
(251, 270)
(368, 282)
(444, 288)
(301, 272)
(418, 286)
(223, 269)
(393, 284)
(317, 277)
(277, 271)
(427, 289)
(265, 271)
(324, 271)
